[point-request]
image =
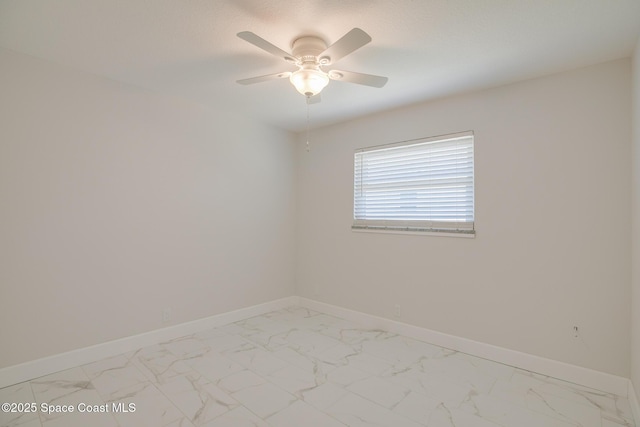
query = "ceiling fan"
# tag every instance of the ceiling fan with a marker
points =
(310, 54)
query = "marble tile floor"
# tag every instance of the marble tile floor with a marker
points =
(299, 368)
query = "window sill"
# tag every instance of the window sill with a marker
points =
(464, 235)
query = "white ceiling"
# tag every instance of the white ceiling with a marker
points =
(427, 48)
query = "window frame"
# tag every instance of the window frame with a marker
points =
(463, 228)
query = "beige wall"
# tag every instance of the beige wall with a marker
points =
(552, 216)
(635, 301)
(117, 203)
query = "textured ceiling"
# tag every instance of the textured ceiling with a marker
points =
(427, 48)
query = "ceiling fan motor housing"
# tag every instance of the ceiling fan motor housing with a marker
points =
(309, 80)
(308, 48)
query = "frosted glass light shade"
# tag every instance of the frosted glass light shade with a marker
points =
(309, 82)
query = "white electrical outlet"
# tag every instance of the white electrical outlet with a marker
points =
(575, 331)
(166, 315)
(396, 310)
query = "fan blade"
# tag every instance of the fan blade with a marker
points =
(265, 45)
(315, 99)
(260, 79)
(359, 78)
(351, 41)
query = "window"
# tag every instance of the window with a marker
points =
(419, 185)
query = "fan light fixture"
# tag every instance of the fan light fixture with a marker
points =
(310, 54)
(309, 81)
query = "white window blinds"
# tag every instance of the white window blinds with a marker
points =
(421, 185)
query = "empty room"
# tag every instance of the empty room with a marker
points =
(284, 213)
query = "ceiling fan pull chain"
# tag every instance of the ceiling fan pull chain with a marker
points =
(308, 147)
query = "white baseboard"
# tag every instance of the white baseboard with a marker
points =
(553, 368)
(634, 401)
(36, 368)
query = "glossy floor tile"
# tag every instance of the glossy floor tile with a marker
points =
(300, 368)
